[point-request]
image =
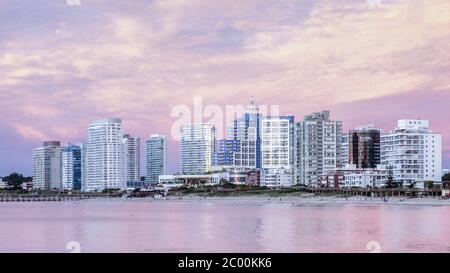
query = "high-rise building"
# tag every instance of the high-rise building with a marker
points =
(227, 152)
(413, 151)
(47, 166)
(71, 167)
(246, 130)
(318, 147)
(241, 150)
(277, 151)
(83, 166)
(105, 156)
(156, 157)
(344, 154)
(364, 147)
(196, 148)
(132, 147)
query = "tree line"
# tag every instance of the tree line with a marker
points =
(15, 180)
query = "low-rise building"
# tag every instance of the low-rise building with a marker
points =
(178, 180)
(132, 185)
(445, 189)
(253, 178)
(351, 176)
(240, 176)
(3, 184)
(277, 178)
(28, 186)
(333, 179)
(237, 177)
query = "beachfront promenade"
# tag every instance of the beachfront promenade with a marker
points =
(382, 192)
(375, 193)
(52, 197)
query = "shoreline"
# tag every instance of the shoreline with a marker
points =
(303, 200)
(292, 200)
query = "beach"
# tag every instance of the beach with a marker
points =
(308, 199)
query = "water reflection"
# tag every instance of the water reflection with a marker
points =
(142, 226)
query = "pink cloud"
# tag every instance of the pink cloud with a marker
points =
(30, 133)
(137, 62)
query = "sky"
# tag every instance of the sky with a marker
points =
(62, 66)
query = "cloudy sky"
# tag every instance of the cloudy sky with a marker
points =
(366, 61)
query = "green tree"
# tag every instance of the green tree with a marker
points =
(446, 177)
(390, 183)
(429, 184)
(15, 180)
(111, 190)
(223, 181)
(226, 184)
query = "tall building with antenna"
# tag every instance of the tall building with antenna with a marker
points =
(246, 131)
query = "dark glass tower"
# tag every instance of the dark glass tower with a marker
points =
(364, 147)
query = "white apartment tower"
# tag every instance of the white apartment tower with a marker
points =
(345, 150)
(318, 147)
(104, 161)
(196, 148)
(131, 148)
(277, 151)
(156, 157)
(413, 151)
(47, 166)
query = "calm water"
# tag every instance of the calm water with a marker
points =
(138, 226)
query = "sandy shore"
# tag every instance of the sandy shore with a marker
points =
(310, 200)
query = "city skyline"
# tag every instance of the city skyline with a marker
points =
(218, 142)
(308, 152)
(103, 59)
(174, 167)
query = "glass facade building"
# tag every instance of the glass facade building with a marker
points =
(71, 167)
(156, 158)
(364, 147)
(132, 158)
